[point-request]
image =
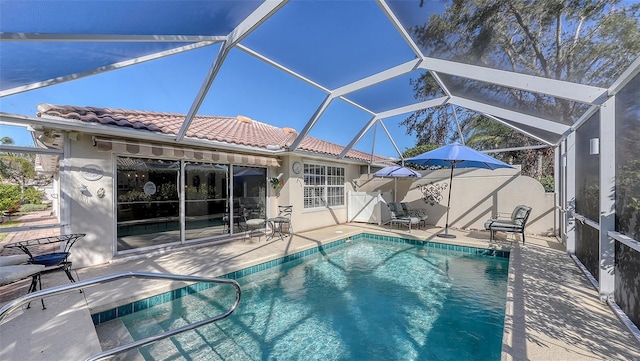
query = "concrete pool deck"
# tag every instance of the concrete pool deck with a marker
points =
(552, 311)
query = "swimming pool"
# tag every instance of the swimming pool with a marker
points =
(367, 299)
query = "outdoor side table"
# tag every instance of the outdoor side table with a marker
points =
(277, 224)
(52, 261)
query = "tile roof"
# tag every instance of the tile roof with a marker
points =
(238, 130)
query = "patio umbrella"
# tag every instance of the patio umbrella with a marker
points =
(456, 155)
(396, 171)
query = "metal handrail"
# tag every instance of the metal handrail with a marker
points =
(11, 306)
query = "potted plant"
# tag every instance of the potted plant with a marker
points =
(275, 183)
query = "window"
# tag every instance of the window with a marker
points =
(323, 186)
(155, 197)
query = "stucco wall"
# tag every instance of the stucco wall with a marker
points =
(95, 216)
(476, 195)
(293, 193)
(91, 214)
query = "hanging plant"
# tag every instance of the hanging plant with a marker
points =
(275, 183)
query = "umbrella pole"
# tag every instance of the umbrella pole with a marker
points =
(446, 227)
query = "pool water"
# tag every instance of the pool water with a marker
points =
(364, 300)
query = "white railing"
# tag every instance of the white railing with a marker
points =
(13, 305)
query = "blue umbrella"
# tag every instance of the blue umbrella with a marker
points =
(396, 171)
(456, 155)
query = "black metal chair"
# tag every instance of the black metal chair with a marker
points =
(515, 224)
(280, 222)
(51, 261)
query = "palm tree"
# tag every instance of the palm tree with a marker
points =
(6, 141)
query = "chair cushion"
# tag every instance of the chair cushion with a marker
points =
(497, 225)
(13, 260)
(519, 213)
(10, 274)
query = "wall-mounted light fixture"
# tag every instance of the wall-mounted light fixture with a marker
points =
(594, 146)
(75, 136)
(47, 137)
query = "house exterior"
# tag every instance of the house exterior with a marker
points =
(132, 188)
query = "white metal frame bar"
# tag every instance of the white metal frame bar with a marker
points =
(625, 77)
(391, 113)
(511, 115)
(607, 197)
(105, 38)
(314, 119)
(103, 69)
(391, 139)
(377, 78)
(359, 136)
(624, 239)
(281, 67)
(251, 22)
(400, 28)
(557, 88)
(531, 147)
(413, 107)
(528, 134)
(569, 165)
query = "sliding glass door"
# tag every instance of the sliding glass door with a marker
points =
(149, 201)
(206, 199)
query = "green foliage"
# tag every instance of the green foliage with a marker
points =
(548, 184)
(18, 168)
(34, 207)
(583, 41)
(32, 196)
(9, 196)
(167, 192)
(628, 206)
(417, 150)
(133, 196)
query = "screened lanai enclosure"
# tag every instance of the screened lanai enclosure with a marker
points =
(363, 72)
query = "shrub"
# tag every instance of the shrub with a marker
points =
(9, 196)
(548, 184)
(33, 196)
(34, 207)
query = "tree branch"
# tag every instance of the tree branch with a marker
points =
(534, 41)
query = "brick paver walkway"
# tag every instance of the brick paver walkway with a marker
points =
(30, 219)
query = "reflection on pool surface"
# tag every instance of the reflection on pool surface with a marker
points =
(363, 300)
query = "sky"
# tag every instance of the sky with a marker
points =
(248, 86)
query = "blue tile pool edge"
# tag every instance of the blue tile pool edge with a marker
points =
(143, 304)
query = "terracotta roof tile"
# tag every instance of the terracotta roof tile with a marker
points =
(238, 130)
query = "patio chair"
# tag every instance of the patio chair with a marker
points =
(415, 212)
(515, 224)
(399, 217)
(282, 220)
(14, 269)
(255, 221)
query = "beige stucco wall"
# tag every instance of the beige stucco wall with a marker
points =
(95, 216)
(477, 194)
(293, 194)
(89, 213)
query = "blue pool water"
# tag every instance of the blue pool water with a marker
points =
(364, 300)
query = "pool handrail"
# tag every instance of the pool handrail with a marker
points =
(117, 276)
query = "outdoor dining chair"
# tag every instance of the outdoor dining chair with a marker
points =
(280, 222)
